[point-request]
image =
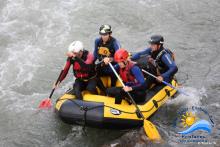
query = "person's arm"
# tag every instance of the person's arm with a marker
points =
(95, 52)
(139, 54)
(116, 45)
(89, 61)
(139, 77)
(166, 59)
(65, 70)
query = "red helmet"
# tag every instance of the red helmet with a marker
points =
(121, 55)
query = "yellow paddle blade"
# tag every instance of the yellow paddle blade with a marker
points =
(151, 130)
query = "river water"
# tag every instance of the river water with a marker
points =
(35, 34)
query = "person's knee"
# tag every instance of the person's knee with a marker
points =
(108, 91)
(78, 92)
(92, 89)
(76, 86)
(77, 83)
(139, 96)
(112, 91)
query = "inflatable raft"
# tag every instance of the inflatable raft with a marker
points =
(102, 112)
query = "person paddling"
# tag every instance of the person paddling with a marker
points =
(83, 69)
(131, 76)
(105, 47)
(161, 58)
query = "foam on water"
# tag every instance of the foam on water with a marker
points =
(34, 35)
(26, 51)
(194, 98)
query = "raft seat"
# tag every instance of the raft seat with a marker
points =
(106, 80)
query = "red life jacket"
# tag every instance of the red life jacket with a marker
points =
(83, 72)
(126, 74)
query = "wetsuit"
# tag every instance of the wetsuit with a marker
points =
(105, 50)
(132, 77)
(163, 61)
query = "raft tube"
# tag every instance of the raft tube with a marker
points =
(102, 112)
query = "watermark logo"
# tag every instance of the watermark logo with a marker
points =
(193, 125)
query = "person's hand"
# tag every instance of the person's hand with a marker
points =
(111, 59)
(56, 86)
(106, 60)
(69, 54)
(74, 55)
(127, 88)
(150, 59)
(160, 78)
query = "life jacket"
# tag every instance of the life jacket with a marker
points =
(106, 50)
(171, 53)
(157, 56)
(126, 74)
(80, 70)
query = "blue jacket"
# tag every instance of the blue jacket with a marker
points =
(112, 45)
(165, 61)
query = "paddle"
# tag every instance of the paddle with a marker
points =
(46, 103)
(149, 128)
(168, 84)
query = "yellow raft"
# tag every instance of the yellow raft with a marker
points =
(102, 112)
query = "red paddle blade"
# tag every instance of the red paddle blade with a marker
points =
(46, 103)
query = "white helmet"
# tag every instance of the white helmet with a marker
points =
(76, 46)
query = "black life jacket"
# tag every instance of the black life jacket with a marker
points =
(157, 56)
(106, 50)
(83, 71)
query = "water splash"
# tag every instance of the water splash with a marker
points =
(194, 98)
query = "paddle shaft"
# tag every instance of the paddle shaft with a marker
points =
(168, 84)
(127, 92)
(58, 79)
(149, 128)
